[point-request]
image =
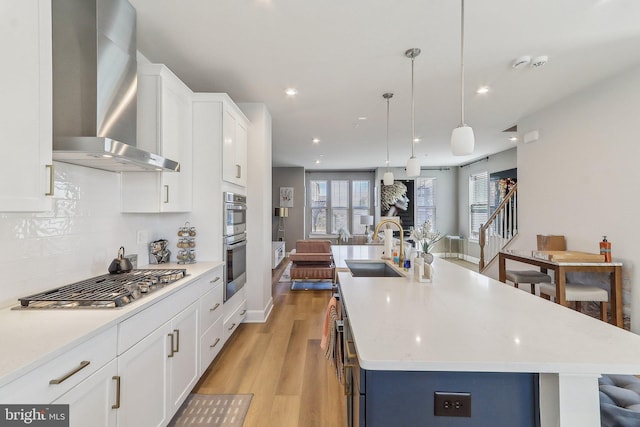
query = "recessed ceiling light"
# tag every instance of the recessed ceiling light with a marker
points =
(291, 91)
(482, 90)
(362, 118)
(317, 162)
(513, 138)
(417, 139)
(315, 140)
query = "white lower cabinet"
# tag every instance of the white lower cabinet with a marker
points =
(94, 401)
(183, 366)
(211, 343)
(236, 317)
(144, 384)
(211, 309)
(138, 373)
(158, 373)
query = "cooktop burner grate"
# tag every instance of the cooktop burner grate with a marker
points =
(106, 291)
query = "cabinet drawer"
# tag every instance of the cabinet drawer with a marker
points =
(138, 326)
(234, 320)
(210, 307)
(211, 343)
(48, 382)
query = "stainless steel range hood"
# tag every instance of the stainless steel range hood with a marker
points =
(95, 86)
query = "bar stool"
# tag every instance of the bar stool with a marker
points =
(578, 292)
(544, 243)
(527, 276)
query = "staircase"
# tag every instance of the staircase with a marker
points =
(500, 228)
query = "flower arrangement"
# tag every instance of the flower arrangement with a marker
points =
(425, 238)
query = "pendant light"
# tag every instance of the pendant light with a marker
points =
(388, 175)
(462, 138)
(413, 166)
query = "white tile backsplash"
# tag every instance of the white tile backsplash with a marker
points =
(79, 238)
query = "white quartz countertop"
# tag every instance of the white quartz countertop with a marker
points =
(464, 321)
(33, 337)
(341, 253)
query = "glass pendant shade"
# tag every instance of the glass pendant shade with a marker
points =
(462, 141)
(413, 167)
(387, 178)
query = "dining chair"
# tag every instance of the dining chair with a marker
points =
(533, 277)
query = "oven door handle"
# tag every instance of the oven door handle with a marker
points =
(230, 207)
(236, 244)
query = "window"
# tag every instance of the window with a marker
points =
(425, 201)
(319, 207)
(338, 200)
(478, 203)
(360, 203)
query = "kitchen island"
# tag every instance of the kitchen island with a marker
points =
(525, 360)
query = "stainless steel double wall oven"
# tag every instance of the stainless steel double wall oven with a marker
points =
(234, 243)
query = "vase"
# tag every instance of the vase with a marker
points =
(428, 257)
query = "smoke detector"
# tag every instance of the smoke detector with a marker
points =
(539, 61)
(521, 62)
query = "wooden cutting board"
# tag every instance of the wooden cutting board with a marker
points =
(568, 256)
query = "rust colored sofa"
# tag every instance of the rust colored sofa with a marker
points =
(312, 260)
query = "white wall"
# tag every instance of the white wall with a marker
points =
(579, 178)
(495, 163)
(259, 212)
(78, 238)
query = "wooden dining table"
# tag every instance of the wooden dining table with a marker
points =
(561, 268)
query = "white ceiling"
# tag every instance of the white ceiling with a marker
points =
(342, 55)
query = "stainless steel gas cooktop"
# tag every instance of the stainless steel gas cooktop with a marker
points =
(106, 291)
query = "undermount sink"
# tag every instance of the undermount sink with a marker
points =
(372, 269)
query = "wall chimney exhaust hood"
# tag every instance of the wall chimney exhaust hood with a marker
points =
(95, 87)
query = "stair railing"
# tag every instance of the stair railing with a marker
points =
(500, 228)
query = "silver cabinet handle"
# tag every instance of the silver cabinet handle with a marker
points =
(177, 331)
(166, 194)
(215, 307)
(214, 280)
(215, 343)
(117, 404)
(50, 192)
(243, 312)
(232, 326)
(172, 343)
(238, 171)
(83, 365)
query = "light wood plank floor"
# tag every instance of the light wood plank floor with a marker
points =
(282, 364)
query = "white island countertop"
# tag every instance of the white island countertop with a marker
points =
(464, 321)
(33, 337)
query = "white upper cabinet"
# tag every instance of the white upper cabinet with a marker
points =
(165, 128)
(26, 178)
(234, 145)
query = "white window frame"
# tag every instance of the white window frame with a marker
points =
(329, 177)
(478, 208)
(417, 205)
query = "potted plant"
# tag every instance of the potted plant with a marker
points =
(425, 239)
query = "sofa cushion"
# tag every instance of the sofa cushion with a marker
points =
(619, 401)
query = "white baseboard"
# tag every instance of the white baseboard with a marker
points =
(259, 316)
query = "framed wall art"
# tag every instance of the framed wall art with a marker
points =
(286, 197)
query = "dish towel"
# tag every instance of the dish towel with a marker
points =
(330, 343)
(329, 327)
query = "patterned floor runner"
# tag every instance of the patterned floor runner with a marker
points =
(212, 410)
